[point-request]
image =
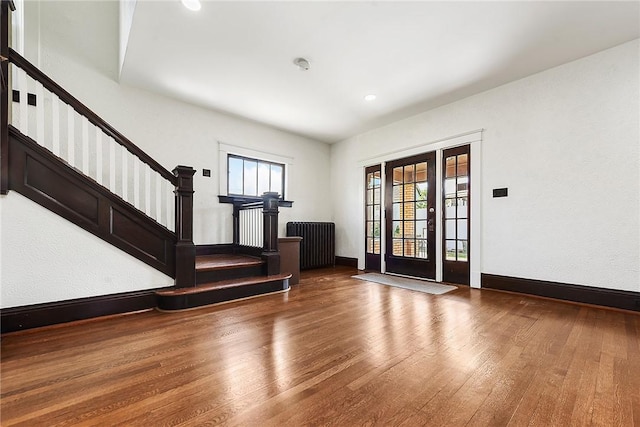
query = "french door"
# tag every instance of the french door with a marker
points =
(456, 214)
(410, 216)
(373, 198)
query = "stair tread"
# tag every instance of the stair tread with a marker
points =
(224, 284)
(225, 261)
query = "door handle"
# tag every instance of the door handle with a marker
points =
(431, 225)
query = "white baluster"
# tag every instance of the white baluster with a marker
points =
(40, 138)
(112, 165)
(32, 124)
(71, 139)
(24, 111)
(158, 182)
(125, 173)
(55, 125)
(15, 106)
(136, 182)
(99, 157)
(85, 146)
(147, 189)
(171, 210)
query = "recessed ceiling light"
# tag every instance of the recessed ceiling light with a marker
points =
(370, 97)
(192, 4)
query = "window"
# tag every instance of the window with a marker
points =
(253, 177)
(409, 210)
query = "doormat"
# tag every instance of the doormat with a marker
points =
(403, 282)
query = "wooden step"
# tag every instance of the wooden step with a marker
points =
(217, 267)
(225, 261)
(221, 291)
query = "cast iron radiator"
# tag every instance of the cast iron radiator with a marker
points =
(318, 246)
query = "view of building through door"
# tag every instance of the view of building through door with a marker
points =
(410, 216)
(372, 218)
(456, 184)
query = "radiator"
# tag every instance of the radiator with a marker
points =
(318, 246)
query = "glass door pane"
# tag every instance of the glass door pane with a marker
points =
(372, 217)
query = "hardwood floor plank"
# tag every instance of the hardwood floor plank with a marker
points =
(333, 351)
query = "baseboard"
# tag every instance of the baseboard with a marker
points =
(38, 315)
(346, 261)
(626, 300)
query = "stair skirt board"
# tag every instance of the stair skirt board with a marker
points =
(188, 298)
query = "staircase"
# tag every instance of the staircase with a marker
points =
(223, 277)
(63, 156)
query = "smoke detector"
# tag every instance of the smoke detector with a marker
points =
(302, 63)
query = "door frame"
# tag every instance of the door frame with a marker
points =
(474, 140)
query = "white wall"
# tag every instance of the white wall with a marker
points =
(172, 132)
(565, 142)
(46, 258)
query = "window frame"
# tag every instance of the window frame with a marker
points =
(258, 161)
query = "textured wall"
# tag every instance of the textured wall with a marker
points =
(46, 258)
(565, 142)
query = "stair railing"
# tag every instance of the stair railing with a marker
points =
(54, 119)
(51, 116)
(255, 226)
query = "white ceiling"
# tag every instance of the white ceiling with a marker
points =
(237, 57)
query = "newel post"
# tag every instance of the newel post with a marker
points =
(185, 248)
(270, 233)
(236, 224)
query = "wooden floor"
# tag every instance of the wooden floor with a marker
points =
(333, 351)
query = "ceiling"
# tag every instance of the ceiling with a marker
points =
(237, 57)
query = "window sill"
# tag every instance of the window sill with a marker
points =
(246, 199)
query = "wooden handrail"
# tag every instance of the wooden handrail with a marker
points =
(49, 84)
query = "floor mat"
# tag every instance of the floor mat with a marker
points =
(403, 282)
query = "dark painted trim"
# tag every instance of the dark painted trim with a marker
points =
(346, 261)
(38, 315)
(170, 301)
(210, 276)
(228, 248)
(372, 260)
(456, 271)
(40, 176)
(83, 110)
(185, 249)
(625, 300)
(4, 96)
(244, 200)
(224, 248)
